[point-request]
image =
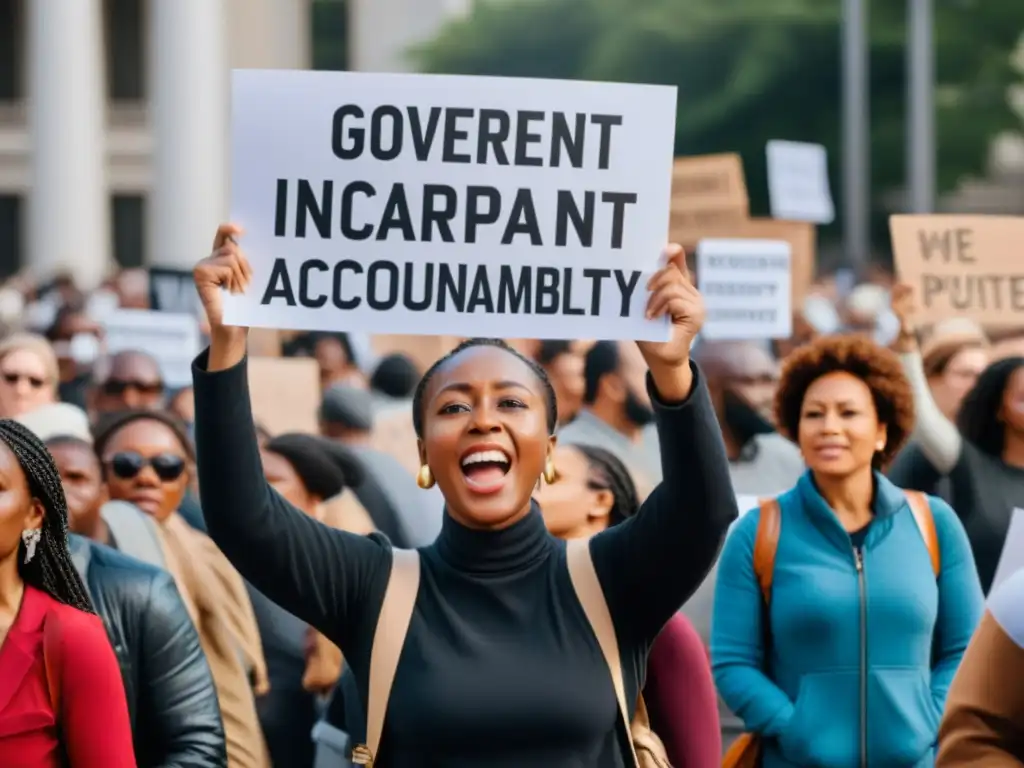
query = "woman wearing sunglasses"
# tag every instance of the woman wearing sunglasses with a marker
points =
(147, 461)
(28, 374)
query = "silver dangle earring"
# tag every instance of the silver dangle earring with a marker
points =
(30, 537)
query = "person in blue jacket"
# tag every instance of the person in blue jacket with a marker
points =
(863, 639)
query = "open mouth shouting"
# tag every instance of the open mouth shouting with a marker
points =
(485, 467)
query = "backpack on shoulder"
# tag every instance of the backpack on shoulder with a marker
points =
(745, 752)
(393, 625)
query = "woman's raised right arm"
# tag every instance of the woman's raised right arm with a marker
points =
(323, 576)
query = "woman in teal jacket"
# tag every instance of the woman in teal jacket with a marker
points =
(863, 637)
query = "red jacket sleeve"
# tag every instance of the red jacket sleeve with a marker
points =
(681, 698)
(93, 717)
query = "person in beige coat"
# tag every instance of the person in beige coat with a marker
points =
(983, 726)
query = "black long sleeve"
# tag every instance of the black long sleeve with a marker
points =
(178, 688)
(326, 577)
(649, 565)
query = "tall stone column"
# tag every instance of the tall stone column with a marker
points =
(190, 104)
(69, 205)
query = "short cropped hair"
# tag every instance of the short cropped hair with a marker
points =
(878, 367)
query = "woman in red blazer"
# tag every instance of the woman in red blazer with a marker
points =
(62, 701)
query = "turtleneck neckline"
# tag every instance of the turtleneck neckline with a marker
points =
(492, 552)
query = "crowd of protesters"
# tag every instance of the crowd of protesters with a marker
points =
(181, 586)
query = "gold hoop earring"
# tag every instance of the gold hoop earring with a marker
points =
(425, 478)
(550, 473)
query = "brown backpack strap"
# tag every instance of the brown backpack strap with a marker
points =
(388, 639)
(591, 596)
(51, 662)
(922, 512)
(766, 544)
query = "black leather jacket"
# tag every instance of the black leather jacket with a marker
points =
(172, 701)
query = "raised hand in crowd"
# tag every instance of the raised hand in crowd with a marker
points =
(225, 269)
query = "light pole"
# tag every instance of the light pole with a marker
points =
(921, 151)
(856, 133)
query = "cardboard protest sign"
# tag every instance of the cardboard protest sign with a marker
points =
(285, 393)
(798, 185)
(421, 204)
(172, 338)
(708, 191)
(746, 285)
(801, 236)
(962, 265)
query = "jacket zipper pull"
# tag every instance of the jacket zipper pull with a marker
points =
(858, 557)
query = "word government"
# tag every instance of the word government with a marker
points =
(453, 288)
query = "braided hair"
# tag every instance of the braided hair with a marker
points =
(609, 473)
(51, 570)
(542, 376)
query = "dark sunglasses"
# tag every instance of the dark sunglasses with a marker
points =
(115, 387)
(128, 464)
(13, 378)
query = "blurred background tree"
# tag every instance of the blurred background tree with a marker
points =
(753, 70)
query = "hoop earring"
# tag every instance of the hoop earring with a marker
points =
(30, 538)
(425, 478)
(550, 473)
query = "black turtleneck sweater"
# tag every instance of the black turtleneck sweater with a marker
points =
(500, 666)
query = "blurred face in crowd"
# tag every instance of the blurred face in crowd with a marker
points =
(25, 383)
(839, 431)
(753, 379)
(82, 479)
(133, 382)
(949, 387)
(625, 390)
(282, 477)
(183, 405)
(77, 340)
(566, 374)
(145, 464)
(575, 506)
(485, 435)
(335, 365)
(1012, 412)
(18, 510)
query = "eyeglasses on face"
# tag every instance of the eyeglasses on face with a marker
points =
(117, 387)
(14, 378)
(128, 464)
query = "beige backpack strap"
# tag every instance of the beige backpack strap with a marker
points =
(388, 639)
(922, 512)
(591, 596)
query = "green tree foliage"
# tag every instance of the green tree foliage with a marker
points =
(753, 70)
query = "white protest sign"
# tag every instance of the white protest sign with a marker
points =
(798, 184)
(422, 204)
(173, 339)
(747, 287)
(1012, 558)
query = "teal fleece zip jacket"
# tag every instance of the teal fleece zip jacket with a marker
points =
(859, 662)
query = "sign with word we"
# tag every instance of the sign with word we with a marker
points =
(966, 266)
(422, 204)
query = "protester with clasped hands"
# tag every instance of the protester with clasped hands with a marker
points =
(500, 666)
(872, 595)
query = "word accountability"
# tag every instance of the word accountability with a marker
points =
(447, 287)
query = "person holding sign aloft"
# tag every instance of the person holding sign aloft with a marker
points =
(494, 645)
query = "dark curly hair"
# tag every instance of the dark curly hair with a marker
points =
(978, 419)
(542, 377)
(859, 356)
(610, 474)
(51, 570)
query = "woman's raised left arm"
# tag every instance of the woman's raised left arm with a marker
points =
(651, 564)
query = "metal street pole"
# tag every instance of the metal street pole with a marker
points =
(856, 133)
(921, 152)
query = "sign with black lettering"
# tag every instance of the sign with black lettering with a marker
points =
(422, 204)
(173, 290)
(968, 266)
(746, 288)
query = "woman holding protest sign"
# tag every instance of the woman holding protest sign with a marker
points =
(485, 633)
